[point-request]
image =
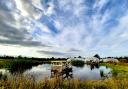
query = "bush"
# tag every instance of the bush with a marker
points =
(19, 66)
(78, 63)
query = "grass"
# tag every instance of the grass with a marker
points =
(4, 63)
(19, 65)
(15, 66)
(22, 82)
(119, 70)
(118, 81)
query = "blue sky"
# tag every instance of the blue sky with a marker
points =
(64, 28)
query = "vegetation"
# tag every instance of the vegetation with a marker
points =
(78, 63)
(97, 56)
(119, 70)
(20, 64)
(21, 82)
(15, 66)
(4, 63)
(3, 77)
(5, 57)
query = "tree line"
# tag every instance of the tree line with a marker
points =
(6, 57)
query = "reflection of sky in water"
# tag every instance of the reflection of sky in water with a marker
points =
(84, 73)
(104, 69)
(40, 71)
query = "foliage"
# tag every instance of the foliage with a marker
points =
(18, 65)
(17, 82)
(119, 70)
(5, 57)
(3, 77)
(97, 56)
(78, 63)
(4, 63)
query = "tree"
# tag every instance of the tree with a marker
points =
(79, 57)
(52, 58)
(97, 56)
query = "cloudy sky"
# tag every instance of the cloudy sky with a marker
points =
(64, 28)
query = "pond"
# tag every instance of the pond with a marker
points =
(87, 72)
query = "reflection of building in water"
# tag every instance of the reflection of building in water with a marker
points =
(61, 69)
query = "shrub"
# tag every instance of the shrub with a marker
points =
(78, 63)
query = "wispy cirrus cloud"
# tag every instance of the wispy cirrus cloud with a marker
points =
(81, 27)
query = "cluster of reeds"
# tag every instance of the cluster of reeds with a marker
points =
(23, 82)
(78, 63)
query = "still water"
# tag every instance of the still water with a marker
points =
(86, 72)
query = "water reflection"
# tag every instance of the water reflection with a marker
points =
(63, 70)
(105, 72)
(93, 66)
(39, 72)
(87, 72)
(67, 72)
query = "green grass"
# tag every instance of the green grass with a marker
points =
(4, 63)
(18, 66)
(119, 70)
(118, 81)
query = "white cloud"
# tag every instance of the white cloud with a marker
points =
(18, 50)
(99, 4)
(20, 7)
(69, 24)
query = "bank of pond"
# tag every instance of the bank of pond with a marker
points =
(24, 82)
(39, 72)
(44, 69)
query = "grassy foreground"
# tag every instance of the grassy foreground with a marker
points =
(21, 82)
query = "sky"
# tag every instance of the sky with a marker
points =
(64, 28)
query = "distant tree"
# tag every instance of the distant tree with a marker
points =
(109, 57)
(52, 58)
(19, 57)
(97, 56)
(79, 57)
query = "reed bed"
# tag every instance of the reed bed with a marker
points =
(27, 82)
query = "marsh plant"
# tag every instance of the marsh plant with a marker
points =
(3, 76)
(27, 82)
(78, 63)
